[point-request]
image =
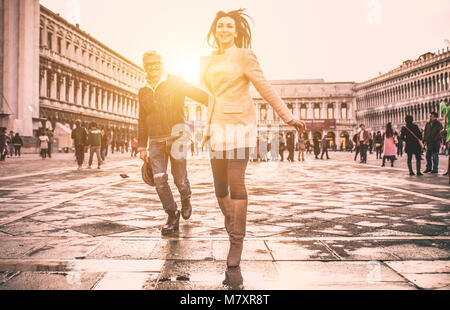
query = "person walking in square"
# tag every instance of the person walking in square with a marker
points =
(412, 135)
(161, 112)
(80, 137)
(390, 142)
(282, 146)
(51, 140)
(18, 143)
(301, 147)
(232, 123)
(363, 138)
(104, 145)
(3, 144)
(432, 139)
(445, 110)
(316, 142)
(95, 144)
(43, 142)
(290, 141)
(324, 147)
(378, 144)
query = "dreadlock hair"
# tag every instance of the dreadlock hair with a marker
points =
(244, 33)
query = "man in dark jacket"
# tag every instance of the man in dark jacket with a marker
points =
(162, 121)
(3, 144)
(290, 141)
(432, 139)
(378, 144)
(411, 135)
(79, 136)
(95, 144)
(324, 147)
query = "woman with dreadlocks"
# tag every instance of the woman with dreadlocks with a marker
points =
(231, 119)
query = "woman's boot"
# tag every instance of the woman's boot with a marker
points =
(226, 207)
(238, 228)
(418, 167)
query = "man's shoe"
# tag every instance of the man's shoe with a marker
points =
(445, 174)
(434, 172)
(419, 174)
(412, 174)
(427, 171)
(173, 223)
(186, 208)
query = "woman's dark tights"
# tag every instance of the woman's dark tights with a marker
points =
(229, 174)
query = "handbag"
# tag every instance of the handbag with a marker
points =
(420, 141)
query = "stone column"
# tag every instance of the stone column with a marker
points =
(43, 82)
(310, 110)
(62, 88)
(297, 110)
(53, 83)
(323, 110)
(91, 96)
(70, 82)
(337, 110)
(20, 25)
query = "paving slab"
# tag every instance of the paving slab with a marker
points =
(425, 274)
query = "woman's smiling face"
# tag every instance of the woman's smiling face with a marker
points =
(226, 31)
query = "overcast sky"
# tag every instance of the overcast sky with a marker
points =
(337, 40)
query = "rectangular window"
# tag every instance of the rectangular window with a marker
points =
(41, 34)
(303, 113)
(316, 113)
(50, 41)
(330, 113)
(344, 113)
(59, 45)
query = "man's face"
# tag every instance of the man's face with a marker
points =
(432, 118)
(363, 128)
(153, 66)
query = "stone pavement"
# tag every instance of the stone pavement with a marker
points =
(320, 224)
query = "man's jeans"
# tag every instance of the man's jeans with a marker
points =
(363, 153)
(79, 154)
(96, 150)
(160, 153)
(432, 161)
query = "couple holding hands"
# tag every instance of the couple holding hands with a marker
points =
(231, 124)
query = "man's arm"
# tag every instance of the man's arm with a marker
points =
(194, 93)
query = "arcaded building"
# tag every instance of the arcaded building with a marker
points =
(415, 88)
(55, 73)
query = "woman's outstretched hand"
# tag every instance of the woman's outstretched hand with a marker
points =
(299, 125)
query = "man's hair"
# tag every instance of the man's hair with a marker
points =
(151, 54)
(361, 125)
(409, 119)
(434, 114)
(78, 123)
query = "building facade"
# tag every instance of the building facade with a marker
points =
(80, 78)
(415, 88)
(53, 72)
(328, 109)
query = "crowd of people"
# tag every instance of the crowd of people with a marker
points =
(10, 144)
(97, 142)
(432, 140)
